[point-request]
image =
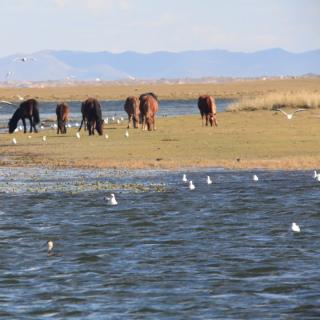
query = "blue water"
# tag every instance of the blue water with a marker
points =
(112, 108)
(222, 251)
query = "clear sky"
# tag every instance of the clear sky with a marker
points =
(27, 26)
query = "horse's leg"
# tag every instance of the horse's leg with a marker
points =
(129, 119)
(215, 120)
(24, 124)
(207, 118)
(154, 123)
(81, 123)
(202, 119)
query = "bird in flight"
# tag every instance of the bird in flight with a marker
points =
(290, 115)
(24, 59)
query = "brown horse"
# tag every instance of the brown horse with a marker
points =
(27, 109)
(91, 112)
(62, 112)
(148, 109)
(208, 109)
(131, 107)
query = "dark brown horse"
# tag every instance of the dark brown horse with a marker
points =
(92, 114)
(62, 112)
(148, 109)
(131, 107)
(27, 110)
(208, 109)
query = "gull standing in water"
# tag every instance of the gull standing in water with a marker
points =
(50, 247)
(209, 181)
(191, 185)
(184, 178)
(295, 227)
(111, 201)
(290, 115)
(255, 178)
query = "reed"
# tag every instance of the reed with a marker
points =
(275, 100)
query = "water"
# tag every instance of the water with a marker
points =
(222, 251)
(112, 108)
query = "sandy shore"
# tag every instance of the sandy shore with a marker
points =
(113, 91)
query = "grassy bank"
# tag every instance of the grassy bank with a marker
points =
(110, 91)
(264, 139)
(271, 101)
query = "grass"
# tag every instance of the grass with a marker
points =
(272, 101)
(114, 91)
(264, 139)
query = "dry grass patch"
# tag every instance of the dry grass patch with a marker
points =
(263, 139)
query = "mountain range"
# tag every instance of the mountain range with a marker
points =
(95, 66)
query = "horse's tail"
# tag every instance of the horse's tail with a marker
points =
(36, 115)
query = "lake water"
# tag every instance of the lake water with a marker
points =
(222, 251)
(112, 108)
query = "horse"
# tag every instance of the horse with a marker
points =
(27, 109)
(62, 112)
(84, 120)
(132, 108)
(92, 114)
(148, 108)
(208, 109)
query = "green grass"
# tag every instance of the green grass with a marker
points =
(259, 139)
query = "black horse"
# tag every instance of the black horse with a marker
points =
(92, 114)
(27, 109)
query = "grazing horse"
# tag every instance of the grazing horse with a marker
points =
(27, 109)
(131, 107)
(62, 112)
(91, 112)
(148, 109)
(208, 109)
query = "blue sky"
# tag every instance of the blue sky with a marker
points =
(158, 25)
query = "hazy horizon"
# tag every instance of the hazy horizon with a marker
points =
(172, 26)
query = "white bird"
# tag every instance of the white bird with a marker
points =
(127, 134)
(41, 127)
(106, 136)
(106, 120)
(318, 177)
(69, 125)
(25, 59)
(121, 119)
(78, 135)
(112, 118)
(184, 178)
(20, 128)
(14, 141)
(50, 246)
(118, 121)
(77, 124)
(290, 115)
(111, 201)
(295, 227)
(191, 185)
(44, 138)
(255, 178)
(315, 174)
(209, 181)
(8, 102)
(29, 137)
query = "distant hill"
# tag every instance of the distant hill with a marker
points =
(88, 66)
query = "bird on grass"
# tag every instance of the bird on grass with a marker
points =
(111, 201)
(106, 136)
(78, 135)
(14, 141)
(44, 139)
(126, 134)
(295, 227)
(290, 115)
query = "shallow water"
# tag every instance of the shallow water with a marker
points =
(112, 108)
(222, 251)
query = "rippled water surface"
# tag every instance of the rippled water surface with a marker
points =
(222, 251)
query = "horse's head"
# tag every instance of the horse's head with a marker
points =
(99, 127)
(211, 119)
(12, 125)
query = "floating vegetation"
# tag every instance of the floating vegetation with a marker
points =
(72, 181)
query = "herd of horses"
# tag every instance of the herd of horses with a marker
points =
(140, 110)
